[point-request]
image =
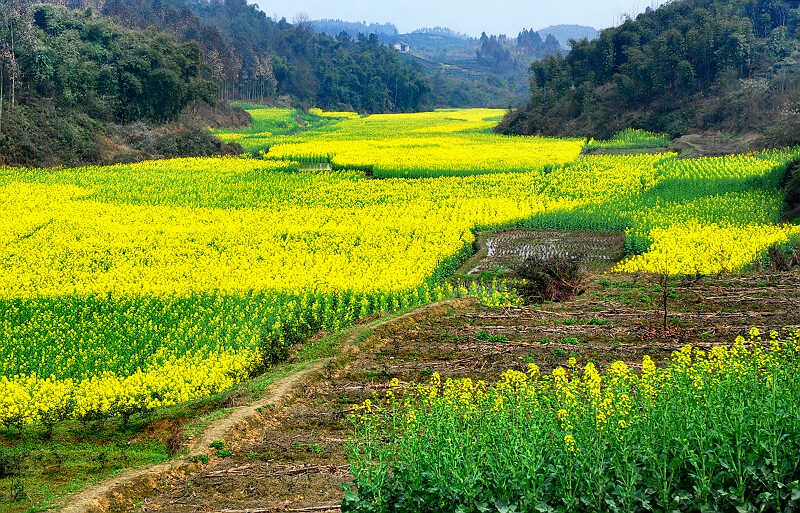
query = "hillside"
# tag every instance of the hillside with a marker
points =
(443, 45)
(253, 57)
(76, 88)
(333, 64)
(690, 66)
(490, 71)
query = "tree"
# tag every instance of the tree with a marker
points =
(660, 67)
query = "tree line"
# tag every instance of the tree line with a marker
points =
(254, 58)
(68, 78)
(687, 65)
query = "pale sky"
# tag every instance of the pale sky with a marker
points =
(466, 16)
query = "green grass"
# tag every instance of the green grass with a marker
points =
(270, 124)
(75, 456)
(631, 139)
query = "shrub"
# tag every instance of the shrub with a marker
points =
(778, 259)
(555, 277)
(174, 441)
(10, 464)
(791, 184)
(193, 141)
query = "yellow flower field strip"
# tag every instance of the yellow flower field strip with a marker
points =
(435, 155)
(695, 249)
(631, 138)
(174, 373)
(27, 400)
(331, 114)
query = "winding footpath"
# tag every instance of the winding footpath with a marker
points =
(144, 481)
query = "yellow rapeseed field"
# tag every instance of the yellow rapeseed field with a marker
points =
(119, 282)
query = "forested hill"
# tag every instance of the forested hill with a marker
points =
(692, 65)
(465, 71)
(111, 80)
(76, 88)
(252, 56)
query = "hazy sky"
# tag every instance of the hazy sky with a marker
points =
(467, 16)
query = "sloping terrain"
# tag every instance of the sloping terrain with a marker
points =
(294, 458)
(290, 454)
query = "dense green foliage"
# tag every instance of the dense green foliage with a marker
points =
(70, 79)
(110, 73)
(714, 431)
(253, 57)
(690, 64)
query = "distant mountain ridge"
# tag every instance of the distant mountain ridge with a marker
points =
(563, 33)
(446, 46)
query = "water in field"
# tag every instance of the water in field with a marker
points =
(509, 248)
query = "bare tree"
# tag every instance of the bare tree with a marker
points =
(301, 19)
(265, 76)
(2, 79)
(217, 68)
(18, 16)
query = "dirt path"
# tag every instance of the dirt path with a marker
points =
(100, 497)
(295, 458)
(125, 489)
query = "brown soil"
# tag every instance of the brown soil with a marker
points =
(715, 144)
(293, 457)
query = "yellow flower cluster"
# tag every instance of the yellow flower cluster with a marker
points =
(160, 260)
(337, 115)
(696, 249)
(27, 400)
(612, 401)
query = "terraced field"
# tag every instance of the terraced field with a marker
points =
(131, 289)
